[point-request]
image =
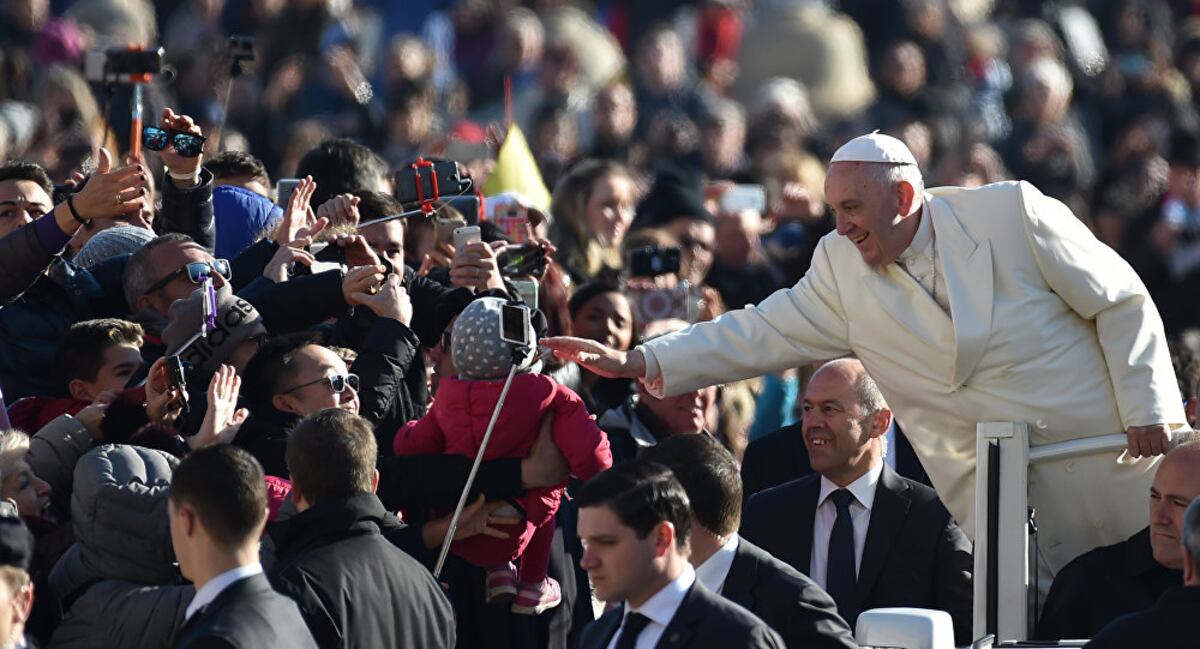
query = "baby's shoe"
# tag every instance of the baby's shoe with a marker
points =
(534, 598)
(502, 583)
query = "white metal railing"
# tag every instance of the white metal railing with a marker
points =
(1002, 552)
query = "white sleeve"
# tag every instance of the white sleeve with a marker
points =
(1101, 286)
(792, 327)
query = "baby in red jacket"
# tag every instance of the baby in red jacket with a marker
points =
(456, 424)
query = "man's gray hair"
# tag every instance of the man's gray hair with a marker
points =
(1191, 532)
(140, 274)
(887, 175)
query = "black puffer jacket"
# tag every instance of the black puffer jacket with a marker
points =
(118, 585)
(355, 588)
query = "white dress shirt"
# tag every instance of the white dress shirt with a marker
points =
(217, 584)
(715, 569)
(920, 261)
(863, 490)
(660, 608)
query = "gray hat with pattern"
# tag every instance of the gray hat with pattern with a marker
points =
(475, 343)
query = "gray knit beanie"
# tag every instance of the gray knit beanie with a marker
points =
(237, 320)
(475, 343)
(111, 242)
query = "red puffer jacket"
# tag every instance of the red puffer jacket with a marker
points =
(458, 420)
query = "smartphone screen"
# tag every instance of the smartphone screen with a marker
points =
(514, 324)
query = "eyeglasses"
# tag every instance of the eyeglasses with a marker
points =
(337, 382)
(196, 271)
(187, 145)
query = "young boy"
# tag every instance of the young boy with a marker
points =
(96, 356)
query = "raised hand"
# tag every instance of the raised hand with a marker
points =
(391, 301)
(223, 418)
(111, 192)
(361, 280)
(298, 213)
(475, 266)
(177, 164)
(340, 209)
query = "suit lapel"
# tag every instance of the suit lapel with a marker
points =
(801, 526)
(683, 624)
(887, 517)
(742, 578)
(609, 625)
(903, 299)
(967, 269)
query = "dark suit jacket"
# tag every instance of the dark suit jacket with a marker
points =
(702, 620)
(779, 457)
(1101, 585)
(789, 602)
(915, 555)
(1169, 624)
(246, 615)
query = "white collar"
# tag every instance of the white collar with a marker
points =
(922, 240)
(715, 569)
(863, 488)
(661, 606)
(218, 584)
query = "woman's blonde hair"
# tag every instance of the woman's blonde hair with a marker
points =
(14, 444)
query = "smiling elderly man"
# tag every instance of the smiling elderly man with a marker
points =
(965, 305)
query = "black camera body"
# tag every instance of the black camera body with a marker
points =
(652, 261)
(123, 64)
(523, 260)
(241, 48)
(424, 181)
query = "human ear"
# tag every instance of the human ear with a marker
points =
(907, 196)
(80, 391)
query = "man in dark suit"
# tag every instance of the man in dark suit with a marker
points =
(218, 507)
(866, 535)
(1171, 622)
(337, 558)
(726, 564)
(779, 457)
(1103, 584)
(634, 521)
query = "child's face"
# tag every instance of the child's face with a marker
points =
(120, 363)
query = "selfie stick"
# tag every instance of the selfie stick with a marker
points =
(462, 499)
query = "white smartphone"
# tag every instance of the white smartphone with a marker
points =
(284, 189)
(514, 325)
(465, 235)
(744, 197)
(528, 289)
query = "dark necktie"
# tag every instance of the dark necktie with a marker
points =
(840, 576)
(634, 623)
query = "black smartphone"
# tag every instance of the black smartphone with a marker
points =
(526, 259)
(652, 261)
(176, 372)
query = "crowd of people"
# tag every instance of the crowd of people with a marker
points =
(249, 351)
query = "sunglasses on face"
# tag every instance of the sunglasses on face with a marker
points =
(197, 272)
(186, 144)
(337, 382)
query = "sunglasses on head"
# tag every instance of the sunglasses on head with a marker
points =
(337, 382)
(186, 144)
(197, 272)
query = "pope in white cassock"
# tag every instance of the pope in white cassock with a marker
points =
(965, 305)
